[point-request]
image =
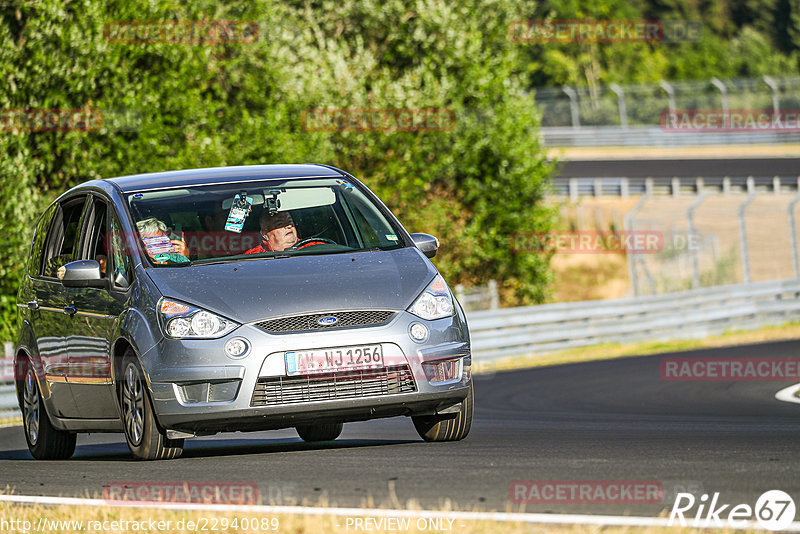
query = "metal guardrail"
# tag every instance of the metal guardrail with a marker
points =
(619, 136)
(479, 298)
(673, 186)
(531, 330)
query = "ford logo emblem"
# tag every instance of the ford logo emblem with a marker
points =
(327, 321)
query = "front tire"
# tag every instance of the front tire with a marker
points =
(444, 428)
(45, 441)
(145, 440)
(322, 432)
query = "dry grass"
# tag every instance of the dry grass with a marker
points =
(606, 351)
(579, 277)
(605, 276)
(10, 421)
(178, 521)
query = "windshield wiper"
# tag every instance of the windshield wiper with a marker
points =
(171, 263)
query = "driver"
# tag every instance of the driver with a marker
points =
(278, 233)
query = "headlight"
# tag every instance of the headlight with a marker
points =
(184, 321)
(435, 302)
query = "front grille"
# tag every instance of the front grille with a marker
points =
(348, 319)
(345, 385)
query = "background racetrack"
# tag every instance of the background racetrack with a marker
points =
(684, 167)
(604, 420)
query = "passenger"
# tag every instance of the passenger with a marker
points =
(102, 259)
(153, 227)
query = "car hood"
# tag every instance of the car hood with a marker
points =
(251, 290)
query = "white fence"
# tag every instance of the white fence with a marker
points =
(531, 330)
(479, 298)
(616, 136)
(675, 186)
(632, 115)
(627, 106)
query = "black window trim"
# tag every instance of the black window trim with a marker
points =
(94, 197)
(35, 271)
(60, 212)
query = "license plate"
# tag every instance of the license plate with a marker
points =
(304, 362)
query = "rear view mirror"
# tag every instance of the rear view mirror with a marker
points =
(426, 243)
(81, 273)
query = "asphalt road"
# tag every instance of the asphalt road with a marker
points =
(679, 167)
(608, 420)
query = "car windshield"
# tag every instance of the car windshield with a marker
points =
(212, 223)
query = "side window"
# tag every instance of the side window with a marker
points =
(39, 238)
(374, 232)
(95, 244)
(367, 230)
(63, 236)
(121, 264)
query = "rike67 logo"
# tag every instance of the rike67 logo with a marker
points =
(774, 510)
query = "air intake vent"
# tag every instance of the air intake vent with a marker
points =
(326, 321)
(346, 385)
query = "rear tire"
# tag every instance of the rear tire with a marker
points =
(322, 432)
(45, 441)
(444, 428)
(145, 440)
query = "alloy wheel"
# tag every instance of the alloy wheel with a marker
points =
(31, 407)
(133, 404)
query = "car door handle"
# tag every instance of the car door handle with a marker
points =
(33, 305)
(70, 310)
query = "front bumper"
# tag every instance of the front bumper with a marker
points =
(171, 377)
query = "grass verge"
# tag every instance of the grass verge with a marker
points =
(11, 420)
(606, 351)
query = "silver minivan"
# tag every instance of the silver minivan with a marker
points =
(179, 304)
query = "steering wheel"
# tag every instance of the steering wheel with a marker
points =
(315, 240)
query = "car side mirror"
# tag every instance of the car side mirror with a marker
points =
(82, 273)
(120, 280)
(426, 243)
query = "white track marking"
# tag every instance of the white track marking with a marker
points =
(560, 519)
(788, 394)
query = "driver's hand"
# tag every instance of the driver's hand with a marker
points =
(180, 247)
